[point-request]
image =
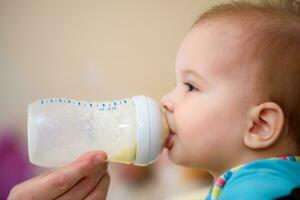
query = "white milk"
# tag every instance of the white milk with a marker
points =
(129, 130)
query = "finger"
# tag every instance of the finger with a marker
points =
(60, 181)
(23, 189)
(84, 186)
(35, 178)
(41, 175)
(82, 157)
(101, 189)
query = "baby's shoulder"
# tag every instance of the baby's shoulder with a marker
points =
(264, 179)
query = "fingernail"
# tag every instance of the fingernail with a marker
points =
(98, 158)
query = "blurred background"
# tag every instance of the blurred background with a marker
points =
(93, 50)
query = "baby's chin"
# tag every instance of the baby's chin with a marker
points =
(179, 158)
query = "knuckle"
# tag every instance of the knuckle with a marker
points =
(60, 182)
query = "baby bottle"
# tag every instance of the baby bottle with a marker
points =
(129, 130)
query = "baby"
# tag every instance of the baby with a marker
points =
(235, 110)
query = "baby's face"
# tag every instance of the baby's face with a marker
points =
(208, 108)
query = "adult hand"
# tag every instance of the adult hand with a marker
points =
(85, 178)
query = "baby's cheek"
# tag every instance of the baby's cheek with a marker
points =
(193, 122)
(207, 120)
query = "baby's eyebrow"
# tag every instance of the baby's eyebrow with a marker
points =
(192, 72)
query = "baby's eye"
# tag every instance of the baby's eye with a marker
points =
(190, 87)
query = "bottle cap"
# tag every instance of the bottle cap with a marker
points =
(151, 131)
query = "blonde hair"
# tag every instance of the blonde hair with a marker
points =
(274, 30)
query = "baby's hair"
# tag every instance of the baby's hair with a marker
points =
(272, 38)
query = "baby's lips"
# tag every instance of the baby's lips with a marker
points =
(167, 130)
(166, 127)
(169, 140)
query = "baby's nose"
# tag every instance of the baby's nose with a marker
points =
(166, 104)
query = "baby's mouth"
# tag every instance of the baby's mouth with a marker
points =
(170, 140)
(168, 143)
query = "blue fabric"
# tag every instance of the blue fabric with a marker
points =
(262, 179)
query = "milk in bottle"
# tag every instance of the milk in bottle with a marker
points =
(129, 130)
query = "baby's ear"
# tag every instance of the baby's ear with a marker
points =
(266, 124)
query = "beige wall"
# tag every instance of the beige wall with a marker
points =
(88, 50)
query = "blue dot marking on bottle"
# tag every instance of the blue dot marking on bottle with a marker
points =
(91, 105)
(79, 103)
(69, 101)
(42, 102)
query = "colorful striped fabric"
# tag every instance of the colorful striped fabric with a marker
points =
(221, 181)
